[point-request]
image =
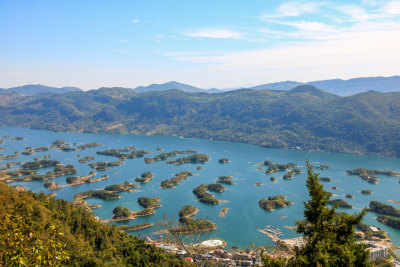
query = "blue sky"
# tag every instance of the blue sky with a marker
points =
(216, 43)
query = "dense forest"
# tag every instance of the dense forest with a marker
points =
(302, 118)
(39, 230)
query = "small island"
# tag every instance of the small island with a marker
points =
(273, 179)
(369, 175)
(349, 196)
(165, 156)
(86, 159)
(290, 174)
(102, 166)
(121, 213)
(325, 179)
(389, 221)
(384, 209)
(205, 197)
(273, 202)
(188, 211)
(135, 227)
(223, 160)
(103, 194)
(276, 167)
(177, 179)
(258, 184)
(149, 203)
(321, 167)
(199, 168)
(144, 177)
(366, 192)
(340, 203)
(225, 180)
(194, 159)
(18, 138)
(223, 212)
(126, 186)
(334, 187)
(123, 154)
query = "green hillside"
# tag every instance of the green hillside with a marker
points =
(38, 230)
(304, 117)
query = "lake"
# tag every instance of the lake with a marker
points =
(240, 224)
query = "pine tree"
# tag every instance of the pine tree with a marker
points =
(329, 235)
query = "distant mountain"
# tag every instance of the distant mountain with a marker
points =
(287, 85)
(169, 86)
(358, 85)
(33, 89)
(342, 87)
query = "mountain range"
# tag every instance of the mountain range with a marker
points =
(304, 117)
(335, 86)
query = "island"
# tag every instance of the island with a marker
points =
(149, 203)
(188, 211)
(340, 203)
(30, 172)
(334, 187)
(144, 177)
(321, 167)
(159, 149)
(369, 232)
(165, 156)
(194, 159)
(349, 196)
(273, 202)
(192, 225)
(126, 186)
(275, 167)
(59, 144)
(223, 160)
(223, 212)
(384, 209)
(177, 179)
(103, 194)
(389, 221)
(225, 180)
(86, 159)
(366, 192)
(199, 168)
(273, 179)
(258, 184)
(289, 175)
(325, 179)
(121, 213)
(34, 165)
(135, 227)
(102, 166)
(205, 197)
(89, 145)
(122, 153)
(369, 175)
(4, 157)
(18, 138)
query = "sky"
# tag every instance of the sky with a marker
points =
(207, 43)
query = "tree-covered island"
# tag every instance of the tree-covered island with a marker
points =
(144, 177)
(194, 159)
(123, 154)
(206, 197)
(369, 175)
(165, 156)
(383, 208)
(389, 221)
(276, 167)
(124, 187)
(223, 160)
(102, 165)
(340, 203)
(225, 180)
(271, 203)
(86, 159)
(188, 211)
(177, 179)
(149, 203)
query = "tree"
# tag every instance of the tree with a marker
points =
(329, 235)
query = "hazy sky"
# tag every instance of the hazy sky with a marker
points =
(207, 43)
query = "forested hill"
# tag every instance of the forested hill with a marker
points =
(304, 117)
(39, 230)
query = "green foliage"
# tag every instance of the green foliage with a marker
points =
(389, 221)
(27, 231)
(206, 197)
(329, 236)
(340, 203)
(177, 179)
(195, 158)
(187, 211)
(165, 156)
(150, 203)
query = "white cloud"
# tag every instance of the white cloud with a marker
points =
(293, 9)
(135, 21)
(215, 34)
(391, 8)
(367, 49)
(370, 3)
(122, 41)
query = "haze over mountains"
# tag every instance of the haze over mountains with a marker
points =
(334, 86)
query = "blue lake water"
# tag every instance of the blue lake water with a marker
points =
(239, 226)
